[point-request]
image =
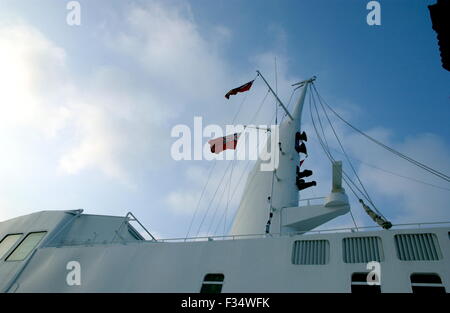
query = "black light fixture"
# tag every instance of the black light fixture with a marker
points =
(301, 148)
(301, 184)
(301, 136)
(304, 173)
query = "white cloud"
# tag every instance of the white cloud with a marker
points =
(112, 121)
(32, 80)
(183, 202)
(109, 122)
(117, 128)
(166, 40)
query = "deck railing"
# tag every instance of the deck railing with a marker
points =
(311, 232)
(249, 236)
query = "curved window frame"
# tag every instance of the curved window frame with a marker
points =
(2, 242)
(23, 246)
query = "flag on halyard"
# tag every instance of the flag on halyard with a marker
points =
(223, 143)
(242, 88)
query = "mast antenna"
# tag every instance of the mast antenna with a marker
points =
(276, 96)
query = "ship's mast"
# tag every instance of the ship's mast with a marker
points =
(252, 215)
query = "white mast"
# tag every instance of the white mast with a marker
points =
(258, 200)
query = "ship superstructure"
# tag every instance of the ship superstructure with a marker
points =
(272, 247)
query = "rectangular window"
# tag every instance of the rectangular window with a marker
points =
(7, 243)
(212, 283)
(310, 252)
(362, 249)
(417, 247)
(360, 285)
(426, 283)
(26, 246)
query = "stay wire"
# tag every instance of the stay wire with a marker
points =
(210, 203)
(248, 163)
(364, 193)
(396, 174)
(215, 161)
(228, 200)
(392, 150)
(199, 200)
(329, 155)
(246, 166)
(345, 153)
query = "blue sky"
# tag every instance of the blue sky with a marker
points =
(87, 110)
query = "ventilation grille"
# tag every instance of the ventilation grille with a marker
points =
(362, 249)
(417, 247)
(310, 252)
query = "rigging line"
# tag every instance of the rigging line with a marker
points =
(210, 203)
(276, 75)
(215, 210)
(221, 218)
(365, 193)
(320, 122)
(225, 211)
(218, 224)
(309, 99)
(276, 91)
(392, 173)
(239, 108)
(330, 157)
(237, 212)
(357, 198)
(345, 153)
(327, 152)
(396, 174)
(345, 180)
(259, 108)
(360, 191)
(289, 102)
(240, 180)
(353, 219)
(238, 184)
(236, 215)
(228, 200)
(242, 102)
(346, 177)
(407, 158)
(249, 161)
(276, 123)
(328, 148)
(201, 196)
(215, 161)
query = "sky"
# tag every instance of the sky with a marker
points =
(86, 111)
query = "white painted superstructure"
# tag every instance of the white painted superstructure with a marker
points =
(38, 251)
(249, 263)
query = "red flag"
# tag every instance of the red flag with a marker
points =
(223, 143)
(242, 88)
